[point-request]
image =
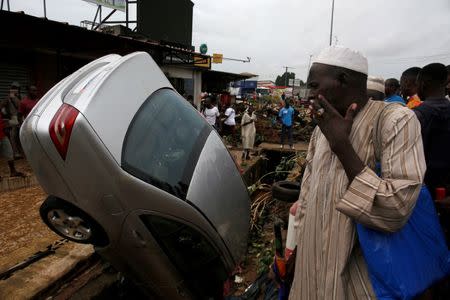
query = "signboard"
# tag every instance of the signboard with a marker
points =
(114, 4)
(246, 84)
(203, 48)
(217, 58)
(202, 62)
(294, 82)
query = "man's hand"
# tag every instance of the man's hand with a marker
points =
(335, 127)
(337, 131)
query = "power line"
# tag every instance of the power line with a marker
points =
(399, 60)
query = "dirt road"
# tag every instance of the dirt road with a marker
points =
(22, 231)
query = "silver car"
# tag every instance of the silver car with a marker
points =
(133, 168)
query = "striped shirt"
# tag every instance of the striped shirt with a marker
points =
(329, 262)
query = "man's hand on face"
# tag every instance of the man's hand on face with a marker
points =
(335, 127)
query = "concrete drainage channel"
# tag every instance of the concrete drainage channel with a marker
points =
(85, 275)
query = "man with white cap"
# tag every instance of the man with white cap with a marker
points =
(375, 88)
(339, 186)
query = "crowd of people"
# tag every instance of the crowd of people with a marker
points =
(375, 144)
(13, 110)
(224, 121)
(427, 92)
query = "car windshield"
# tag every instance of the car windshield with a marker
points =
(164, 141)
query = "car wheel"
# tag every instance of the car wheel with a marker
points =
(287, 191)
(71, 222)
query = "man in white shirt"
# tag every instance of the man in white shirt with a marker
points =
(229, 124)
(211, 112)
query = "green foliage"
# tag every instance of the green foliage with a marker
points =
(286, 164)
(263, 252)
(265, 259)
(282, 81)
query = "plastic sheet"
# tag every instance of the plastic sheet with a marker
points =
(403, 264)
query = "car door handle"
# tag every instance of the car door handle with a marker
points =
(138, 237)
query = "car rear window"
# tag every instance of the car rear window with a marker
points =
(164, 141)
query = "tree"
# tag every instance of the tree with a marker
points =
(282, 81)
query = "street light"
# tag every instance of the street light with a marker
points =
(332, 15)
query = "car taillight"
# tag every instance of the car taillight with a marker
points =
(61, 128)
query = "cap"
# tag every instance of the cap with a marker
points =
(375, 83)
(343, 57)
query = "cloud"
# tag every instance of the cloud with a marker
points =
(394, 35)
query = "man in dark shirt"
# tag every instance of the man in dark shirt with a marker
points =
(434, 117)
(30, 101)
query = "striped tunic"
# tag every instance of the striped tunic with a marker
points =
(329, 262)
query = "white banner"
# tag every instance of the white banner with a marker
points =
(114, 4)
(294, 82)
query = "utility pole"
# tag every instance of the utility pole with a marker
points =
(45, 10)
(7, 4)
(332, 17)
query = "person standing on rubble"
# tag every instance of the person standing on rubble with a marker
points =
(229, 123)
(248, 132)
(9, 108)
(286, 116)
(6, 152)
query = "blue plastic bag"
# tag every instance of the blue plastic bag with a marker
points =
(405, 263)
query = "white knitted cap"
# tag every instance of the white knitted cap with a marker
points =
(343, 57)
(375, 83)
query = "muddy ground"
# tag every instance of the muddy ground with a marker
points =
(22, 231)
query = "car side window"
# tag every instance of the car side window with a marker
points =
(164, 141)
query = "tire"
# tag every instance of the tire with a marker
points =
(72, 223)
(286, 191)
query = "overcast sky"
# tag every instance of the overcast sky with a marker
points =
(393, 34)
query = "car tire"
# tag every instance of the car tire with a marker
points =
(286, 191)
(72, 223)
